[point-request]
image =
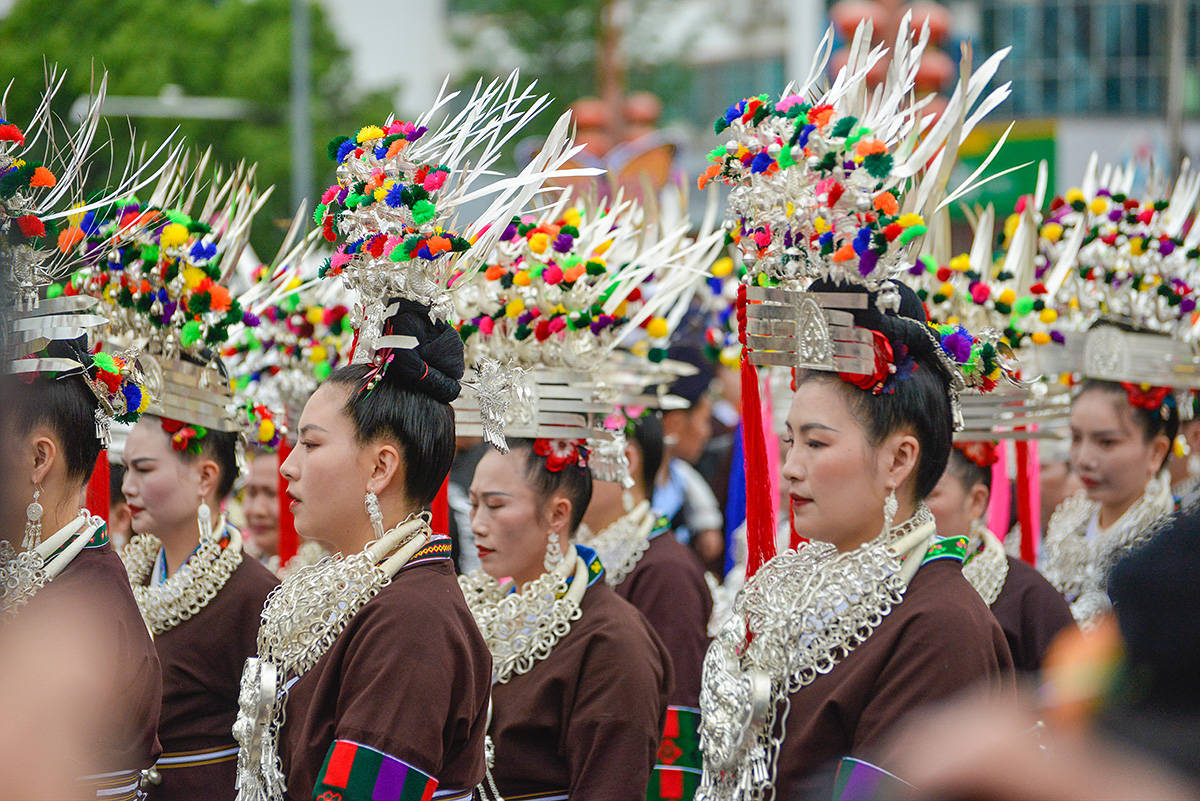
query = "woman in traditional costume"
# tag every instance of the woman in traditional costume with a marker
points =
(60, 399)
(1031, 612)
(561, 291)
(1120, 275)
(832, 643)
(371, 679)
(164, 293)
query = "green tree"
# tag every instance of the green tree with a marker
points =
(222, 48)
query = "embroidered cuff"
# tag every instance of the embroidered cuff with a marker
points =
(357, 772)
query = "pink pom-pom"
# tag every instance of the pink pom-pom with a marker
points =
(552, 274)
(330, 193)
(558, 324)
(338, 259)
(980, 293)
(762, 238)
(434, 181)
(486, 325)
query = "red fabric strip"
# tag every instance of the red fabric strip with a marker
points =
(337, 771)
(97, 487)
(289, 540)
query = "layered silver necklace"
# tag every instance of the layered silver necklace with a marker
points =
(300, 621)
(522, 628)
(1077, 554)
(807, 610)
(191, 588)
(623, 542)
(23, 573)
(986, 566)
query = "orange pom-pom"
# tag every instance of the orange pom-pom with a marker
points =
(844, 253)
(42, 177)
(69, 238)
(220, 298)
(886, 202)
(494, 272)
(438, 244)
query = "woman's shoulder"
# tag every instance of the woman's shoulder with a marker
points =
(941, 605)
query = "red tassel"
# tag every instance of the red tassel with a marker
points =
(289, 540)
(1027, 516)
(440, 509)
(97, 488)
(760, 507)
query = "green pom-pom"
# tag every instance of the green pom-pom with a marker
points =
(53, 291)
(331, 147)
(844, 126)
(910, 233)
(105, 362)
(656, 355)
(1023, 306)
(322, 371)
(878, 165)
(399, 253)
(522, 333)
(423, 211)
(150, 253)
(190, 334)
(595, 268)
(931, 265)
(319, 214)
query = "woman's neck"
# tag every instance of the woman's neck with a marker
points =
(599, 518)
(1110, 513)
(179, 541)
(358, 537)
(904, 510)
(59, 509)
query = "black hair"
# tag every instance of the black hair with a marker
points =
(967, 471)
(221, 447)
(1151, 422)
(691, 387)
(648, 435)
(919, 402)
(116, 477)
(574, 482)
(62, 403)
(410, 403)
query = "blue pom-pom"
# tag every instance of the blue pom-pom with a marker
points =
(804, 134)
(762, 162)
(203, 252)
(344, 149)
(732, 113)
(862, 241)
(88, 224)
(394, 197)
(133, 397)
(826, 238)
(380, 152)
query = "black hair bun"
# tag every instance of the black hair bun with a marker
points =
(435, 367)
(909, 326)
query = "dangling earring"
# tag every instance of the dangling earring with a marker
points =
(554, 554)
(627, 500)
(372, 502)
(204, 520)
(890, 507)
(33, 521)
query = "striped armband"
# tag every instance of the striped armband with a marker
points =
(677, 769)
(357, 772)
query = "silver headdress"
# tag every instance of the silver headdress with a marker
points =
(545, 323)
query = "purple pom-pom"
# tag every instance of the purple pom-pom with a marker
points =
(251, 319)
(1166, 247)
(1057, 336)
(563, 243)
(867, 262)
(957, 345)
(1187, 305)
(509, 233)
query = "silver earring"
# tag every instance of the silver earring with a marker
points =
(627, 500)
(554, 554)
(372, 503)
(33, 521)
(890, 507)
(204, 520)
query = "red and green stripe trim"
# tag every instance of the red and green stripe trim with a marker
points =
(676, 774)
(357, 772)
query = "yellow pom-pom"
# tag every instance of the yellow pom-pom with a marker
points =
(640, 348)
(1010, 225)
(173, 236)
(572, 217)
(946, 289)
(602, 248)
(514, 308)
(1098, 206)
(960, 263)
(820, 225)
(731, 356)
(722, 267)
(909, 220)
(266, 431)
(522, 278)
(1008, 297)
(318, 354)
(379, 194)
(539, 242)
(369, 132)
(315, 315)
(1040, 337)
(293, 283)
(192, 276)
(1048, 316)
(1052, 232)
(622, 309)
(790, 208)
(1137, 246)
(1074, 195)
(657, 328)
(559, 309)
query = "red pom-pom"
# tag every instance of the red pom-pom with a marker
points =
(1038, 289)
(31, 226)
(11, 133)
(943, 274)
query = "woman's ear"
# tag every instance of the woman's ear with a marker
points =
(900, 454)
(634, 454)
(386, 467)
(209, 474)
(42, 454)
(558, 514)
(977, 501)
(1159, 447)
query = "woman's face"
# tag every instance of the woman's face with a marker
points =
(1109, 452)
(507, 518)
(261, 503)
(327, 473)
(162, 489)
(835, 479)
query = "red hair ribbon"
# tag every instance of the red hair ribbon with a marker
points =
(981, 454)
(1145, 396)
(560, 453)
